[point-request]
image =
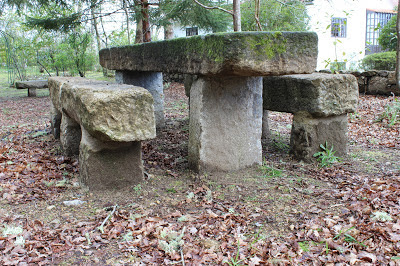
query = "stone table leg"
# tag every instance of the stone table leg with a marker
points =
(225, 123)
(309, 132)
(31, 92)
(151, 81)
(70, 136)
(55, 121)
(265, 126)
(109, 165)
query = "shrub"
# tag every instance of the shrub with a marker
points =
(380, 61)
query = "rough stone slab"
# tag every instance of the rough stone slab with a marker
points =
(237, 53)
(225, 123)
(319, 94)
(32, 84)
(108, 111)
(109, 165)
(151, 81)
(309, 132)
(55, 121)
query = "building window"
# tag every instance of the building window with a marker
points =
(192, 31)
(375, 20)
(339, 27)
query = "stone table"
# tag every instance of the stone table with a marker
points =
(226, 105)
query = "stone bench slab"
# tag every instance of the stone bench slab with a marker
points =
(237, 54)
(319, 94)
(108, 111)
(32, 84)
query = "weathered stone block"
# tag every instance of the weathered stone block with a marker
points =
(70, 136)
(151, 81)
(309, 132)
(108, 111)
(318, 94)
(109, 165)
(238, 53)
(225, 123)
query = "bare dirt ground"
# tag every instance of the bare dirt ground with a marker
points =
(284, 212)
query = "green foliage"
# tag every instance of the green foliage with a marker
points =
(380, 61)
(391, 113)
(388, 37)
(188, 13)
(326, 157)
(275, 16)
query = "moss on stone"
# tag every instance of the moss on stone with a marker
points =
(271, 45)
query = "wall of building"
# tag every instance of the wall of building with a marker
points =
(351, 48)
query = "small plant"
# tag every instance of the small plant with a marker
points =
(235, 261)
(326, 157)
(279, 142)
(270, 171)
(304, 246)
(137, 188)
(391, 113)
(348, 238)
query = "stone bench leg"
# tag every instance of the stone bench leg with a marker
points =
(109, 165)
(265, 126)
(225, 123)
(55, 121)
(309, 132)
(151, 81)
(70, 136)
(31, 92)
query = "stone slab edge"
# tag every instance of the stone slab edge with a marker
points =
(319, 94)
(238, 53)
(82, 99)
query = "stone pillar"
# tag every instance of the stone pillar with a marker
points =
(70, 136)
(265, 126)
(308, 132)
(151, 81)
(225, 123)
(31, 92)
(109, 165)
(55, 121)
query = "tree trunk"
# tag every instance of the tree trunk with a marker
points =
(125, 7)
(139, 31)
(237, 24)
(146, 22)
(398, 47)
(168, 31)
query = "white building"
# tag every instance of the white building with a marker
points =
(347, 29)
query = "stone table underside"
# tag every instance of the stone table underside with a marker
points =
(237, 54)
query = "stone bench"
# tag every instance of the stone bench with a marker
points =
(104, 123)
(226, 102)
(320, 103)
(31, 85)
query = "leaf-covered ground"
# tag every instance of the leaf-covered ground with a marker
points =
(284, 212)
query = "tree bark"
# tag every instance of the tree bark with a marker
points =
(398, 47)
(237, 24)
(168, 31)
(146, 22)
(125, 7)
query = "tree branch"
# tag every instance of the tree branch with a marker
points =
(213, 7)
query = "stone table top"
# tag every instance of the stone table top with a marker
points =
(235, 54)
